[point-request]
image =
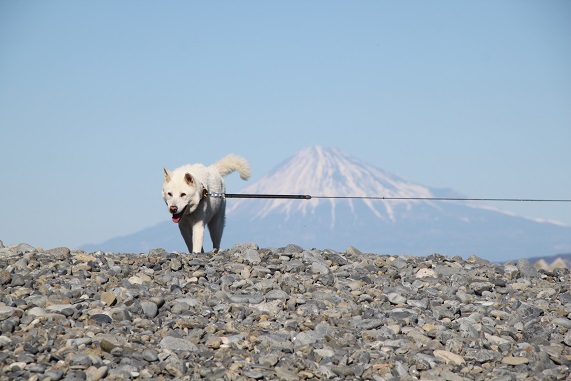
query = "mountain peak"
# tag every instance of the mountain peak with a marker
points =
(328, 172)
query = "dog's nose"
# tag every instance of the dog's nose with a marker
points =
(173, 209)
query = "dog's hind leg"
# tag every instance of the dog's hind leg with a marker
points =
(216, 227)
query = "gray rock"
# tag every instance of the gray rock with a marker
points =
(285, 374)
(562, 322)
(17, 280)
(338, 259)
(158, 252)
(448, 271)
(54, 374)
(306, 337)
(276, 294)
(526, 269)
(100, 319)
(422, 304)
(150, 309)
(74, 343)
(399, 263)
(175, 264)
(81, 361)
(477, 260)
(177, 344)
(6, 312)
(60, 308)
(479, 287)
(292, 249)
(240, 247)
(318, 267)
(482, 355)
(120, 314)
(5, 277)
(352, 251)
(253, 298)
(371, 323)
(24, 248)
(396, 298)
(277, 341)
(189, 301)
(95, 374)
(252, 256)
(150, 355)
(159, 300)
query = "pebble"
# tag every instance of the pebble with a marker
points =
(511, 360)
(449, 357)
(251, 313)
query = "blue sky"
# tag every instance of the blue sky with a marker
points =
(97, 96)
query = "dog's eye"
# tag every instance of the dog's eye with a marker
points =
(169, 194)
(182, 194)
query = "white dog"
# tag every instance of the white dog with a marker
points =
(186, 191)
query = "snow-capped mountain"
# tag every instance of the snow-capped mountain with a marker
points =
(331, 220)
(331, 172)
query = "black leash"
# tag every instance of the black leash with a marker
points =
(249, 195)
(308, 197)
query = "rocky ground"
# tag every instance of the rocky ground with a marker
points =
(252, 313)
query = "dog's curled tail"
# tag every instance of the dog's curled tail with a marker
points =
(231, 163)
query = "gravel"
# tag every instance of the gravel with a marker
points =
(250, 313)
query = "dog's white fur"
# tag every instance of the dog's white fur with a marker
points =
(186, 192)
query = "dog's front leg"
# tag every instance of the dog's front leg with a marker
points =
(186, 231)
(198, 236)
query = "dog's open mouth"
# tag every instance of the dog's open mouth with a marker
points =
(177, 216)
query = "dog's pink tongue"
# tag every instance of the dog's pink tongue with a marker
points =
(176, 220)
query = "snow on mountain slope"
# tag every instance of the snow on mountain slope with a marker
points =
(324, 172)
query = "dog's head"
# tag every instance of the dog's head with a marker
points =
(181, 193)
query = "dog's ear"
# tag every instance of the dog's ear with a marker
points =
(167, 175)
(188, 178)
